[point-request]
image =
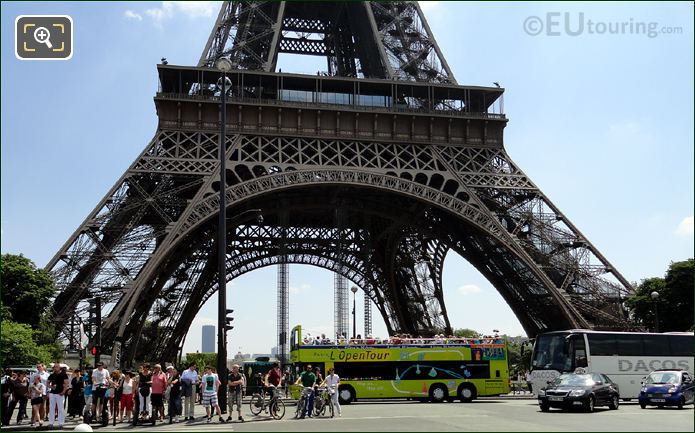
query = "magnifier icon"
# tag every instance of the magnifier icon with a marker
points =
(43, 36)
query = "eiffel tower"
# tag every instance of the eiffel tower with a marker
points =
(374, 169)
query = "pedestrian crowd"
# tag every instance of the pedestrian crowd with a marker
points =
(97, 394)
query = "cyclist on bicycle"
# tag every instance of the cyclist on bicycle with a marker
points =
(235, 382)
(308, 379)
(273, 377)
(332, 381)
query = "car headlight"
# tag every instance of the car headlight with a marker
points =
(643, 390)
(541, 393)
(673, 389)
(577, 393)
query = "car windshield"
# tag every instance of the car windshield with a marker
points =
(661, 377)
(574, 380)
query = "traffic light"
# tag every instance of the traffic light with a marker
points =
(228, 320)
(95, 320)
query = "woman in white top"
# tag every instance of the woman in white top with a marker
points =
(36, 392)
(332, 381)
(127, 395)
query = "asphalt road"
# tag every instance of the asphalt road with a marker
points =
(481, 415)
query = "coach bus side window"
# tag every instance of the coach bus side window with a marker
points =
(681, 345)
(629, 344)
(656, 345)
(602, 345)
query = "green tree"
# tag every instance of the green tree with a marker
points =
(18, 346)
(26, 290)
(201, 360)
(674, 303)
(466, 333)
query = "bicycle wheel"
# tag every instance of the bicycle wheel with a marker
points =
(256, 404)
(300, 407)
(277, 409)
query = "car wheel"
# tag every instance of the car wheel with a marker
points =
(643, 405)
(590, 404)
(681, 402)
(614, 403)
(545, 408)
(346, 394)
(438, 393)
(467, 392)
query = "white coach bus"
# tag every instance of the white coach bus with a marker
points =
(625, 357)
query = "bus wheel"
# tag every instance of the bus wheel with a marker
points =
(346, 394)
(467, 392)
(438, 393)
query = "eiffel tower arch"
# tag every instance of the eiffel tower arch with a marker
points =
(375, 169)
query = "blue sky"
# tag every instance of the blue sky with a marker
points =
(602, 123)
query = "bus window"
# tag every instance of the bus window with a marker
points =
(656, 345)
(681, 345)
(602, 344)
(578, 349)
(629, 344)
(550, 353)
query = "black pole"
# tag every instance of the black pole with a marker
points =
(354, 320)
(221, 254)
(656, 313)
(97, 332)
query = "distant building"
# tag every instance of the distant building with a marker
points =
(208, 345)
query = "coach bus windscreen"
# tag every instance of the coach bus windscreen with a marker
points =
(550, 352)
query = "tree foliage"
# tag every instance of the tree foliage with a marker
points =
(202, 359)
(674, 304)
(26, 290)
(466, 333)
(18, 345)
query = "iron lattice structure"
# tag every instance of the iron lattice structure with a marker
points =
(374, 171)
(283, 310)
(341, 306)
(367, 317)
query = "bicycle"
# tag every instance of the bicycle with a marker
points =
(324, 400)
(275, 406)
(301, 403)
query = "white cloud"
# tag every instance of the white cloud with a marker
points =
(685, 228)
(132, 15)
(469, 289)
(302, 288)
(191, 9)
(428, 5)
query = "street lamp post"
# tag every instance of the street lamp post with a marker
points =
(655, 297)
(354, 308)
(224, 66)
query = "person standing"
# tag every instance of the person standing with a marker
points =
(87, 383)
(6, 394)
(235, 383)
(308, 379)
(127, 390)
(58, 385)
(100, 383)
(144, 389)
(75, 398)
(210, 383)
(159, 385)
(36, 392)
(174, 395)
(528, 382)
(114, 392)
(20, 393)
(332, 381)
(43, 374)
(189, 378)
